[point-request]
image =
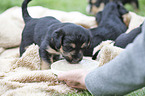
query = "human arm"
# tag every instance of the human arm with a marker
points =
(123, 74)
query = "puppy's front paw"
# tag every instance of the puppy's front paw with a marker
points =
(44, 65)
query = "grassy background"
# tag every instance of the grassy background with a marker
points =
(71, 5)
(64, 5)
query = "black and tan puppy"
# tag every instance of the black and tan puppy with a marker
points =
(110, 25)
(54, 38)
(94, 6)
(126, 38)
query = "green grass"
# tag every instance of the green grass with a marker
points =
(71, 5)
(84, 93)
(64, 5)
(141, 11)
(140, 92)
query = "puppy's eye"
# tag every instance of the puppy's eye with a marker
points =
(67, 48)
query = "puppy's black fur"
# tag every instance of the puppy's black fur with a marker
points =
(98, 17)
(110, 25)
(94, 6)
(53, 37)
(124, 39)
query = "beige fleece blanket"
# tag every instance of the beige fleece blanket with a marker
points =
(107, 52)
(22, 76)
(134, 21)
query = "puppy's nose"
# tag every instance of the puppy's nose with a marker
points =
(74, 61)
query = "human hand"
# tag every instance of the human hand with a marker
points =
(74, 78)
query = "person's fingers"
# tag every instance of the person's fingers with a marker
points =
(77, 85)
(74, 79)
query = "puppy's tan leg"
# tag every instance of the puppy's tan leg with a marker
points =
(126, 19)
(44, 65)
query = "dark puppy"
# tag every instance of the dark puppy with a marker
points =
(110, 25)
(125, 38)
(54, 38)
(94, 6)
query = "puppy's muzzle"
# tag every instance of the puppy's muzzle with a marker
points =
(73, 59)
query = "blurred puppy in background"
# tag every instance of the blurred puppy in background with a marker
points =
(122, 41)
(94, 6)
(110, 25)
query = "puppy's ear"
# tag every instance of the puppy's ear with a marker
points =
(56, 38)
(121, 9)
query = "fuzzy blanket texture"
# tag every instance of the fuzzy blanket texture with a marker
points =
(21, 76)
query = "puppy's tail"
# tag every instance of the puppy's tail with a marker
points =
(25, 13)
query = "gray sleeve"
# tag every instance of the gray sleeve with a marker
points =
(123, 74)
